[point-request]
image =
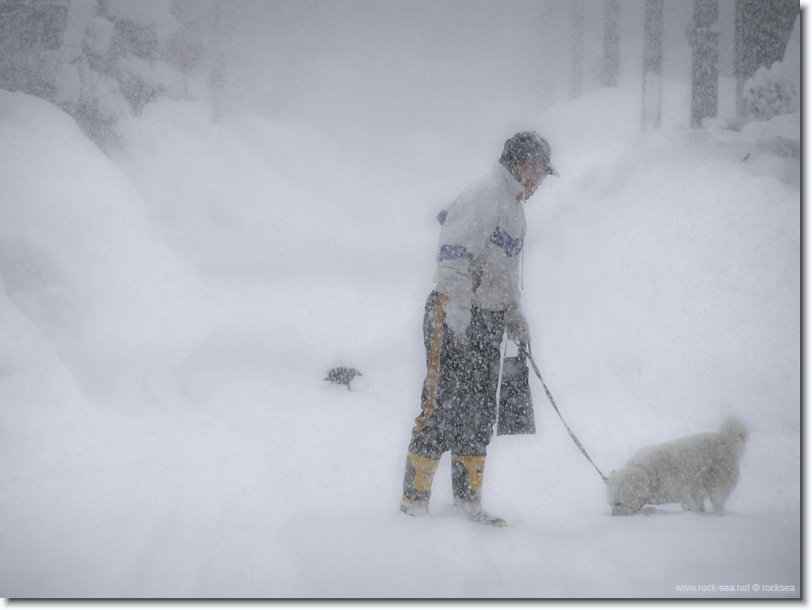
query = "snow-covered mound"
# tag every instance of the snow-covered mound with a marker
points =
(167, 318)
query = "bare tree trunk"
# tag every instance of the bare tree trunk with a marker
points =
(705, 67)
(217, 75)
(551, 60)
(577, 71)
(611, 44)
(653, 64)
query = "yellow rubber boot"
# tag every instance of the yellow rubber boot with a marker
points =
(466, 477)
(417, 484)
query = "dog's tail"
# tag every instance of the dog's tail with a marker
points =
(734, 433)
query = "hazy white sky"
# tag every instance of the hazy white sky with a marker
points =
(424, 66)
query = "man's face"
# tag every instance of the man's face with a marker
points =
(531, 176)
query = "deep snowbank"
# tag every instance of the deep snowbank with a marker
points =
(167, 320)
(668, 276)
(80, 256)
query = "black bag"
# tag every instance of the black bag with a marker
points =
(515, 403)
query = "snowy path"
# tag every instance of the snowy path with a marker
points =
(165, 430)
(249, 478)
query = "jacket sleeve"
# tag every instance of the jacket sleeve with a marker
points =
(467, 226)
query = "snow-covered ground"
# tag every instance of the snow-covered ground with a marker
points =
(167, 318)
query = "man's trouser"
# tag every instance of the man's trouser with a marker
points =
(458, 402)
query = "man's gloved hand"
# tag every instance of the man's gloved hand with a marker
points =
(457, 319)
(516, 324)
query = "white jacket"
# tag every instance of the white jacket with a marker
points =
(481, 241)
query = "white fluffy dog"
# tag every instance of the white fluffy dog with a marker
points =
(685, 470)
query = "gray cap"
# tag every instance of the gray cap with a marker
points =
(527, 146)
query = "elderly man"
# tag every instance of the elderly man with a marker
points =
(476, 299)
